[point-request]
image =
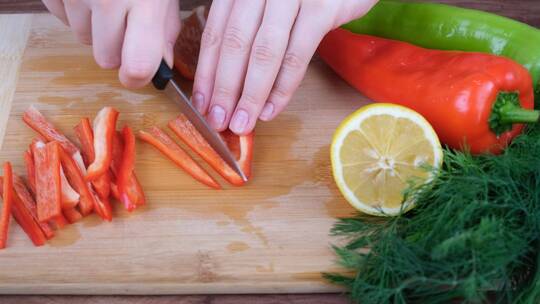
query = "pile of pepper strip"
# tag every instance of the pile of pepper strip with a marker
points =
(65, 183)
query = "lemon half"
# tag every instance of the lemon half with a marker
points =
(377, 150)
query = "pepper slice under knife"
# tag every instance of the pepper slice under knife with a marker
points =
(185, 130)
(162, 142)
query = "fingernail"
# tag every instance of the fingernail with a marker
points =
(216, 118)
(198, 101)
(239, 121)
(267, 111)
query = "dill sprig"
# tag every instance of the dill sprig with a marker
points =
(473, 236)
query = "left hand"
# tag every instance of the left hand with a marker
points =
(254, 54)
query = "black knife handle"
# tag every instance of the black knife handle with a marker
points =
(163, 75)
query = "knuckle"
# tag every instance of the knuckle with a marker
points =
(251, 99)
(222, 92)
(209, 37)
(102, 3)
(264, 54)
(292, 61)
(279, 92)
(233, 39)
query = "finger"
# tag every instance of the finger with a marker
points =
(172, 29)
(56, 7)
(240, 31)
(264, 63)
(79, 18)
(108, 27)
(144, 42)
(308, 31)
(209, 53)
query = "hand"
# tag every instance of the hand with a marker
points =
(254, 54)
(131, 34)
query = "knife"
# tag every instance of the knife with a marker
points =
(163, 80)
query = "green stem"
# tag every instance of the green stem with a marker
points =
(511, 113)
(507, 111)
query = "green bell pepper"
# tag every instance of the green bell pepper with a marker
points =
(445, 27)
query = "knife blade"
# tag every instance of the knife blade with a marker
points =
(164, 81)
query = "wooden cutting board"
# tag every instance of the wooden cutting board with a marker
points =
(269, 236)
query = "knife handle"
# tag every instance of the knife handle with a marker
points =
(163, 75)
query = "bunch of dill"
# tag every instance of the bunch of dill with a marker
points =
(474, 235)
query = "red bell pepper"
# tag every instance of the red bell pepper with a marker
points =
(474, 101)
(183, 128)
(101, 205)
(114, 191)
(242, 149)
(104, 128)
(161, 141)
(126, 168)
(59, 222)
(30, 204)
(134, 189)
(7, 196)
(24, 218)
(86, 138)
(75, 177)
(30, 170)
(72, 215)
(103, 208)
(35, 120)
(48, 184)
(70, 197)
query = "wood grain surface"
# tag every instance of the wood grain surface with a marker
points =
(270, 236)
(524, 10)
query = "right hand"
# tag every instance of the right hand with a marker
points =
(133, 35)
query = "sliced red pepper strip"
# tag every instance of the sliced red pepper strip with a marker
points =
(86, 138)
(75, 177)
(35, 120)
(7, 196)
(134, 189)
(242, 149)
(24, 218)
(103, 208)
(183, 128)
(30, 205)
(70, 197)
(59, 221)
(114, 191)
(85, 135)
(104, 128)
(72, 215)
(101, 205)
(126, 168)
(30, 170)
(161, 141)
(48, 185)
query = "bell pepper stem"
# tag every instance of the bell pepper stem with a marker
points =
(507, 111)
(511, 113)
